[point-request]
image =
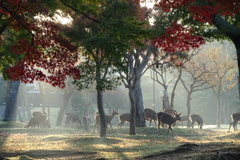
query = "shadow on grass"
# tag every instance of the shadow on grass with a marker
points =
(35, 154)
(4, 135)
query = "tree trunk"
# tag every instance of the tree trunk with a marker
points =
(133, 111)
(11, 97)
(174, 88)
(154, 93)
(26, 102)
(140, 119)
(189, 107)
(165, 99)
(66, 98)
(42, 97)
(218, 111)
(103, 123)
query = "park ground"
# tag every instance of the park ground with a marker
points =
(75, 143)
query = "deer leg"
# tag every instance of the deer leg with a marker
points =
(94, 127)
(230, 126)
(159, 123)
(150, 122)
(110, 125)
(192, 125)
(155, 122)
(170, 128)
(235, 126)
(120, 124)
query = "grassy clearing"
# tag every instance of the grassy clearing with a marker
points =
(75, 143)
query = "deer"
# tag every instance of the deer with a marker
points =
(38, 120)
(86, 121)
(108, 119)
(71, 118)
(235, 119)
(196, 118)
(184, 119)
(124, 117)
(169, 111)
(168, 119)
(150, 115)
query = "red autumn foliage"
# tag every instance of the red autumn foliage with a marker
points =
(178, 38)
(181, 38)
(48, 56)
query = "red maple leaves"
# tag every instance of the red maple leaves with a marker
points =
(178, 38)
(48, 55)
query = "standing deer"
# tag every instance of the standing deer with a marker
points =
(71, 118)
(86, 121)
(235, 119)
(108, 119)
(196, 118)
(123, 118)
(170, 111)
(184, 119)
(150, 115)
(168, 119)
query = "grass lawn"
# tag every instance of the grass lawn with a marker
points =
(75, 143)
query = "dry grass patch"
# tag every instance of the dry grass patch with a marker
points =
(70, 143)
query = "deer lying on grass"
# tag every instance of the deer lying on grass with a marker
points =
(72, 118)
(168, 119)
(108, 119)
(150, 115)
(125, 117)
(235, 119)
(196, 118)
(39, 120)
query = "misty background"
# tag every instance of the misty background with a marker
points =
(32, 97)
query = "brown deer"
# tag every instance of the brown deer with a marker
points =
(108, 119)
(72, 118)
(196, 118)
(168, 119)
(184, 119)
(170, 111)
(44, 124)
(150, 115)
(38, 120)
(235, 119)
(125, 117)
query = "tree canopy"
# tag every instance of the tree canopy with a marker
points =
(46, 54)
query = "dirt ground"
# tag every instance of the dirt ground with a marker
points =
(210, 151)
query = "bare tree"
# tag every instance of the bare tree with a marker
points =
(166, 64)
(199, 76)
(224, 77)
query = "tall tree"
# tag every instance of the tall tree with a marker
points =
(189, 23)
(136, 61)
(104, 35)
(224, 69)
